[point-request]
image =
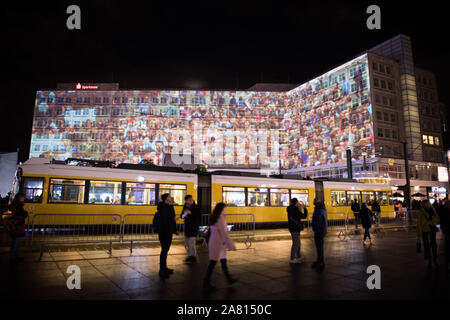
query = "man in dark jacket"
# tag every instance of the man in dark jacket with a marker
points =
(165, 225)
(296, 212)
(191, 216)
(355, 208)
(320, 228)
(376, 210)
(366, 221)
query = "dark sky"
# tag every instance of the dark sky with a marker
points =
(192, 44)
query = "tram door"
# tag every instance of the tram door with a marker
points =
(204, 193)
(319, 191)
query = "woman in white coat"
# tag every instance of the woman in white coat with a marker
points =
(219, 242)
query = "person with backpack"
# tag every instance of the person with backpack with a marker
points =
(164, 223)
(296, 211)
(427, 219)
(320, 228)
(366, 221)
(218, 244)
(191, 216)
(355, 208)
(15, 224)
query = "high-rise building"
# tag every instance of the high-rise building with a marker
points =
(370, 105)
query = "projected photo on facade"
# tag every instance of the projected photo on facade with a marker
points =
(313, 124)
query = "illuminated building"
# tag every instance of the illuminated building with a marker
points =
(369, 105)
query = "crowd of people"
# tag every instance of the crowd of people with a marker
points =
(315, 123)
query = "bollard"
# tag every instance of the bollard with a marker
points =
(110, 248)
(131, 246)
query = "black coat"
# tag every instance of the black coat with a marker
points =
(355, 207)
(164, 220)
(295, 217)
(191, 221)
(365, 216)
(376, 207)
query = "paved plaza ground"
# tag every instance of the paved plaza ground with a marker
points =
(263, 270)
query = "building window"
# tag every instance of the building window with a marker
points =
(383, 84)
(385, 100)
(393, 118)
(387, 133)
(381, 68)
(390, 86)
(375, 66)
(380, 132)
(425, 139)
(233, 196)
(385, 116)
(105, 100)
(388, 70)
(176, 191)
(66, 191)
(105, 192)
(377, 98)
(436, 141)
(375, 82)
(394, 134)
(379, 117)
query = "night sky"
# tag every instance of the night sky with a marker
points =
(198, 44)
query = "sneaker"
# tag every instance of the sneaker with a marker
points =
(294, 261)
(301, 259)
(232, 281)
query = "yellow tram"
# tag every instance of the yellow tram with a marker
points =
(59, 188)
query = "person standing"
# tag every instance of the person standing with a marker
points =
(164, 223)
(319, 226)
(376, 210)
(191, 216)
(427, 219)
(365, 216)
(355, 208)
(296, 211)
(16, 224)
(218, 244)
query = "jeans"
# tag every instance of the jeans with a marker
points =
(212, 264)
(14, 247)
(296, 245)
(366, 233)
(189, 243)
(318, 240)
(166, 240)
(429, 240)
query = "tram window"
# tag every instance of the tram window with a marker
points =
(176, 191)
(258, 197)
(140, 194)
(32, 188)
(233, 196)
(66, 191)
(338, 198)
(301, 195)
(353, 195)
(368, 197)
(382, 198)
(105, 192)
(279, 197)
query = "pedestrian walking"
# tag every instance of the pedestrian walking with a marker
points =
(15, 224)
(355, 208)
(296, 211)
(427, 219)
(319, 226)
(218, 244)
(366, 221)
(376, 210)
(191, 216)
(164, 223)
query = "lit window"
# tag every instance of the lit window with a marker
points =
(140, 194)
(258, 197)
(279, 197)
(425, 139)
(338, 198)
(105, 192)
(66, 191)
(176, 191)
(32, 188)
(301, 195)
(436, 141)
(430, 140)
(233, 196)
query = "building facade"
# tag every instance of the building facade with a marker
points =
(370, 105)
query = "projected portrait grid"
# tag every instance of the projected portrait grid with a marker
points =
(313, 124)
